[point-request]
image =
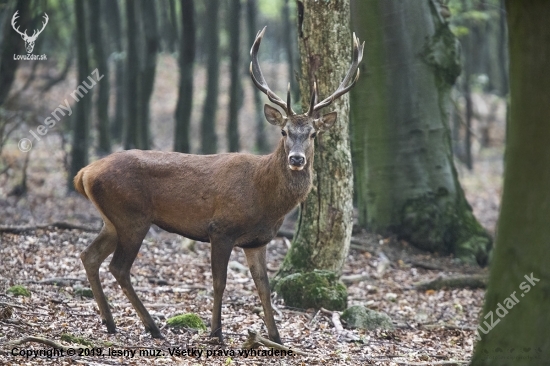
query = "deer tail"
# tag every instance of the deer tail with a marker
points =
(79, 184)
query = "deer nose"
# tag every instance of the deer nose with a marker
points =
(296, 160)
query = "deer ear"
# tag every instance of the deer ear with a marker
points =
(325, 122)
(273, 116)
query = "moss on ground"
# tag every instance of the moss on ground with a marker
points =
(67, 337)
(313, 290)
(84, 292)
(188, 320)
(19, 290)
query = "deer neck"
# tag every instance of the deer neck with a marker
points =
(280, 183)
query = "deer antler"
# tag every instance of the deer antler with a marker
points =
(258, 78)
(35, 34)
(346, 84)
(13, 19)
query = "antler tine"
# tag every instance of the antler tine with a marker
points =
(46, 18)
(344, 87)
(258, 78)
(13, 19)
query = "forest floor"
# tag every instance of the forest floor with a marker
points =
(172, 276)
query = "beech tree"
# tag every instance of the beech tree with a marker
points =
(519, 270)
(324, 227)
(406, 181)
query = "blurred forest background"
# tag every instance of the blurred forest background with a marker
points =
(176, 78)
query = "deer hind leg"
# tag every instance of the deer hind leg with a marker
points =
(255, 257)
(219, 258)
(92, 257)
(123, 258)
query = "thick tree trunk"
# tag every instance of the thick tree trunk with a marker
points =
(235, 89)
(185, 95)
(517, 299)
(80, 121)
(131, 134)
(209, 139)
(406, 180)
(100, 58)
(324, 229)
(261, 140)
(148, 68)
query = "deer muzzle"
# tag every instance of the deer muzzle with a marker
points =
(296, 161)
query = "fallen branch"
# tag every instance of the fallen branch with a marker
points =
(19, 229)
(340, 331)
(61, 281)
(254, 340)
(473, 281)
(45, 341)
(349, 279)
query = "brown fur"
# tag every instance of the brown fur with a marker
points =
(229, 200)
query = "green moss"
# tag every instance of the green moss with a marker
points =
(84, 292)
(67, 337)
(313, 290)
(361, 317)
(19, 290)
(435, 223)
(188, 320)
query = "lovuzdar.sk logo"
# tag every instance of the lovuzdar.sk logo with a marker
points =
(29, 40)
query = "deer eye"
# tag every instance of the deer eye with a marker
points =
(313, 135)
(283, 132)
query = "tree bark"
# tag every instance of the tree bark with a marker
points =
(209, 139)
(80, 122)
(185, 95)
(148, 68)
(520, 263)
(406, 180)
(324, 228)
(100, 58)
(235, 88)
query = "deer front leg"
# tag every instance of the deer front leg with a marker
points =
(255, 258)
(219, 258)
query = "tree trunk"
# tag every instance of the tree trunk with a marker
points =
(80, 121)
(406, 180)
(112, 15)
(289, 48)
(185, 95)
(324, 228)
(12, 44)
(261, 140)
(148, 67)
(100, 58)
(209, 140)
(519, 270)
(235, 89)
(131, 127)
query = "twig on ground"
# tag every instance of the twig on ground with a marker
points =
(19, 229)
(340, 331)
(42, 340)
(473, 281)
(254, 340)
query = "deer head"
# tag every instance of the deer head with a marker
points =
(299, 130)
(29, 41)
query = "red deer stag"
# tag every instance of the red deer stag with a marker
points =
(229, 200)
